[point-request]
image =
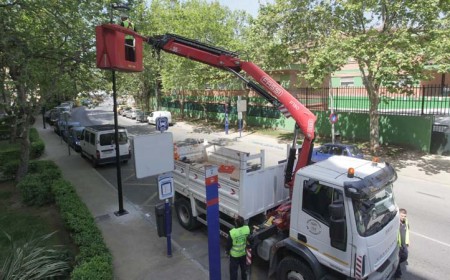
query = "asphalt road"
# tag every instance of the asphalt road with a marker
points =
(426, 201)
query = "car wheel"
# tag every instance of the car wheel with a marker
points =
(184, 214)
(82, 154)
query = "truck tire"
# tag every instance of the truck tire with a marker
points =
(184, 214)
(291, 268)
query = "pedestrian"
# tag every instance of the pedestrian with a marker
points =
(129, 39)
(236, 245)
(403, 242)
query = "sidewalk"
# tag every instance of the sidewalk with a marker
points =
(138, 252)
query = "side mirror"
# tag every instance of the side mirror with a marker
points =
(338, 226)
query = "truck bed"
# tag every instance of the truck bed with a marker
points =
(246, 187)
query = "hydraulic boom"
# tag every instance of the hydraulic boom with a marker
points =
(275, 93)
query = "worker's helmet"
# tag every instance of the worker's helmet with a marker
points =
(123, 15)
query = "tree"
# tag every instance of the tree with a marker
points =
(46, 50)
(209, 23)
(388, 39)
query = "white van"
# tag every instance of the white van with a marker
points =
(97, 144)
(157, 114)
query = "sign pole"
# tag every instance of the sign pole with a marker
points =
(212, 217)
(168, 216)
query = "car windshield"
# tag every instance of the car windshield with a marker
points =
(371, 215)
(354, 150)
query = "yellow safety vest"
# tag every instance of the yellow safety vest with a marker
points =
(239, 238)
(406, 235)
(128, 24)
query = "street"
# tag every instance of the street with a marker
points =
(425, 195)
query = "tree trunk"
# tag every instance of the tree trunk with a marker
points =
(24, 147)
(24, 116)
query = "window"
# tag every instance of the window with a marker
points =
(347, 82)
(316, 199)
(91, 138)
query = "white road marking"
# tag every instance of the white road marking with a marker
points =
(432, 239)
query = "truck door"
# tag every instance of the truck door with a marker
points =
(314, 222)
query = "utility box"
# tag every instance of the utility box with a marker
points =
(160, 220)
(110, 44)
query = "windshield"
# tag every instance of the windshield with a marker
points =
(373, 214)
(354, 151)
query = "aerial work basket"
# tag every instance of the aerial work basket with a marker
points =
(111, 48)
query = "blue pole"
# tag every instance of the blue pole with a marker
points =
(212, 218)
(168, 216)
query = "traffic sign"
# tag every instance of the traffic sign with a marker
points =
(333, 118)
(162, 124)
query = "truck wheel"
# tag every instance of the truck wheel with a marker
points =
(293, 269)
(184, 214)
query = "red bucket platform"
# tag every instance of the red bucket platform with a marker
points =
(111, 48)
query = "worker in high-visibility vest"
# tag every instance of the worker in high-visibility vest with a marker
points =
(129, 39)
(236, 245)
(403, 242)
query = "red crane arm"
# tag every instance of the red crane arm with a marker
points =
(230, 61)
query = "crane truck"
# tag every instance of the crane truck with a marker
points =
(335, 219)
(324, 226)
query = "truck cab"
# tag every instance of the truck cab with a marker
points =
(333, 230)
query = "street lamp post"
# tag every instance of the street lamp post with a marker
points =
(121, 210)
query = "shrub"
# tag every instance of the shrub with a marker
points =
(94, 258)
(46, 168)
(35, 190)
(98, 268)
(37, 149)
(34, 135)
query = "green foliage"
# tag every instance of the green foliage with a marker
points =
(94, 258)
(9, 169)
(8, 152)
(37, 149)
(36, 186)
(46, 168)
(35, 190)
(33, 260)
(98, 268)
(388, 40)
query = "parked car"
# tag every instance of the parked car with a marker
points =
(74, 137)
(133, 113)
(61, 128)
(329, 149)
(123, 110)
(141, 116)
(156, 114)
(126, 113)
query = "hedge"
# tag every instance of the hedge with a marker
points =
(94, 260)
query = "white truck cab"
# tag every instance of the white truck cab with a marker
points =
(332, 228)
